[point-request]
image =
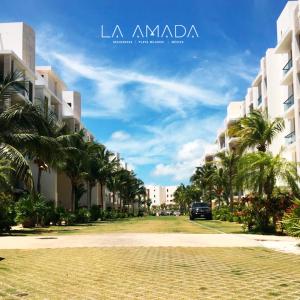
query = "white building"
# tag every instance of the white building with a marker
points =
(47, 90)
(161, 194)
(276, 89)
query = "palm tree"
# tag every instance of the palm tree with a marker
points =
(202, 178)
(50, 144)
(218, 178)
(18, 131)
(228, 162)
(138, 192)
(114, 184)
(107, 164)
(129, 187)
(180, 196)
(74, 164)
(5, 175)
(276, 170)
(256, 130)
(11, 84)
(92, 167)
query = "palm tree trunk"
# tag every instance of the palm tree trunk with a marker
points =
(73, 204)
(39, 180)
(101, 196)
(132, 203)
(260, 185)
(114, 200)
(89, 195)
(231, 199)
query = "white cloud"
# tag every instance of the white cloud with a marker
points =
(120, 136)
(175, 145)
(187, 158)
(180, 145)
(210, 85)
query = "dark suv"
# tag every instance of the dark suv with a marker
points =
(200, 210)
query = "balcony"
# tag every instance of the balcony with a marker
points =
(288, 66)
(288, 102)
(290, 138)
(259, 100)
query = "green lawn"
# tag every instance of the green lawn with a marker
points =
(149, 273)
(149, 224)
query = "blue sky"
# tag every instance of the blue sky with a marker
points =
(158, 105)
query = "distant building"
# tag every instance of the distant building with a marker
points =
(161, 194)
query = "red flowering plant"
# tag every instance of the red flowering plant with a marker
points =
(258, 211)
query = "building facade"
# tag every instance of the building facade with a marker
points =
(161, 194)
(47, 90)
(276, 90)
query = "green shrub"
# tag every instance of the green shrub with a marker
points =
(69, 218)
(291, 220)
(83, 215)
(31, 210)
(258, 212)
(7, 212)
(141, 212)
(95, 213)
(222, 213)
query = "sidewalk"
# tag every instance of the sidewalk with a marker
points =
(281, 243)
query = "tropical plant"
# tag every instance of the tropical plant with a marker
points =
(7, 212)
(291, 219)
(11, 84)
(275, 170)
(227, 161)
(31, 210)
(256, 130)
(106, 165)
(74, 165)
(6, 172)
(180, 197)
(50, 144)
(203, 179)
(92, 168)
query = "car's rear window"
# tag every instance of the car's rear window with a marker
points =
(199, 204)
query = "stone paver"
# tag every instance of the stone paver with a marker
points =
(287, 244)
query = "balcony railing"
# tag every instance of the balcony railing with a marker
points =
(288, 102)
(288, 66)
(259, 100)
(290, 138)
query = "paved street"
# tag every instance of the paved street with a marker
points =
(287, 244)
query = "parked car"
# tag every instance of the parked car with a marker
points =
(166, 213)
(200, 210)
(176, 213)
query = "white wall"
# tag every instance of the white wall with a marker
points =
(19, 38)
